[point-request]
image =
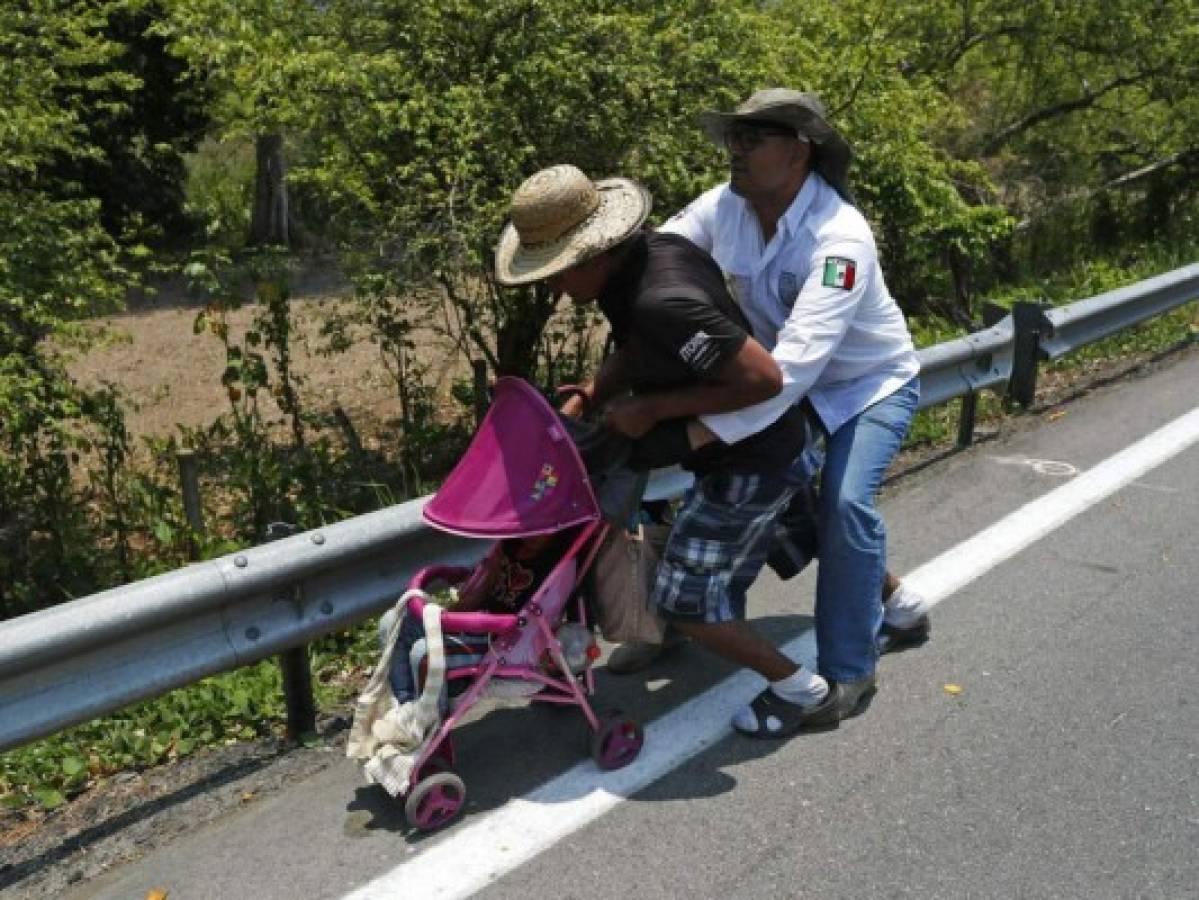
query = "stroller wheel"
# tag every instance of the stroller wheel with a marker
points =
(616, 742)
(435, 801)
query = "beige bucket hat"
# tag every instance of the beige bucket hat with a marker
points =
(560, 218)
(800, 111)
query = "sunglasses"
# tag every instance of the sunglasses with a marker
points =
(748, 136)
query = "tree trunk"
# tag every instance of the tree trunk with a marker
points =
(518, 336)
(271, 215)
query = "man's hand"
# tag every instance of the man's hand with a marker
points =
(630, 415)
(578, 399)
(699, 434)
(574, 407)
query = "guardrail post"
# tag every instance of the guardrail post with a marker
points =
(1030, 323)
(189, 482)
(294, 666)
(966, 420)
(297, 692)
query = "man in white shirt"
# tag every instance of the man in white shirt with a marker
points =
(802, 263)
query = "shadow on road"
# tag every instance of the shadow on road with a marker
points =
(510, 751)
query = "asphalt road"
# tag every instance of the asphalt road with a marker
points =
(1067, 766)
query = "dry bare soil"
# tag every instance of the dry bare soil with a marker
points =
(171, 376)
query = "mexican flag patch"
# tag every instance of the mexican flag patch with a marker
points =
(839, 272)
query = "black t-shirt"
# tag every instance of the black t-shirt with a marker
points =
(676, 324)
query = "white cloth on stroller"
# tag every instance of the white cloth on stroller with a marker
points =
(388, 734)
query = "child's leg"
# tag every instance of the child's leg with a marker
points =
(400, 674)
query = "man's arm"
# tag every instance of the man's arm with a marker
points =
(697, 221)
(750, 376)
(808, 339)
(610, 380)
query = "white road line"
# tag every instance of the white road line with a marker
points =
(477, 854)
(957, 567)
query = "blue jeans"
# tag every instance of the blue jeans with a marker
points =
(852, 537)
(460, 650)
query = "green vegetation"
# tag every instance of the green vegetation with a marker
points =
(1005, 151)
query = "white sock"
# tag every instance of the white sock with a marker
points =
(904, 607)
(802, 688)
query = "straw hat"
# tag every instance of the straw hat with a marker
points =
(560, 217)
(797, 110)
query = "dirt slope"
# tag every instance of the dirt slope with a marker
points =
(171, 376)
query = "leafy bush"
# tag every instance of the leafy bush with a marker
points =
(219, 191)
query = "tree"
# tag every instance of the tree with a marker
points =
(253, 56)
(936, 214)
(1077, 109)
(57, 263)
(141, 111)
(423, 117)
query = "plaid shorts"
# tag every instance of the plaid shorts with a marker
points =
(718, 544)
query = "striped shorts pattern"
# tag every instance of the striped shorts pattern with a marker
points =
(717, 546)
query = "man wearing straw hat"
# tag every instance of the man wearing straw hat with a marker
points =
(803, 265)
(682, 350)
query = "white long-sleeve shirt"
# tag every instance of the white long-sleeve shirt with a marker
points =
(814, 296)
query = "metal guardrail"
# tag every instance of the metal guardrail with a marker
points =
(966, 365)
(70, 663)
(1088, 321)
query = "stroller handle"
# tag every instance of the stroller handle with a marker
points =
(469, 623)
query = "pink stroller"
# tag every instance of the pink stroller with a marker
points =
(522, 476)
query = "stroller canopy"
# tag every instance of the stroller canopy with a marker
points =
(520, 476)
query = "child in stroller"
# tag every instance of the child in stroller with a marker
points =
(502, 582)
(521, 481)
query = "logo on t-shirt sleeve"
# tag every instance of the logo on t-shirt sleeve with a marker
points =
(700, 351)
(839, 272)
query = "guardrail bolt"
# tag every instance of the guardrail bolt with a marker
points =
(253, 634)
(240, 561)
(318, 539)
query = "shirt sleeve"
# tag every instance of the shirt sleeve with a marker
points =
(838, 278)
(696, 223)
(697, 333)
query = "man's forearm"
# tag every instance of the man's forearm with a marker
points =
(611, 380)
(749, 377)
(699, 399)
